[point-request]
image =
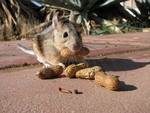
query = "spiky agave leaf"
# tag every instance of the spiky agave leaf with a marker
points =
(67, 4)
(90, 9)
(142, 18)
(106, 3)
(136, 13)
(143, 6)
(91, 3)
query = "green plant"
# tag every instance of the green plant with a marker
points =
(96, 10)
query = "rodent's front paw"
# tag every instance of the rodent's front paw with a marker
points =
(61, 64)
(47, 65)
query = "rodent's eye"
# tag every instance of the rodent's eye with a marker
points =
(65, 35)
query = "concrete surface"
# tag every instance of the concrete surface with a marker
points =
(11, 56)
(22, 92)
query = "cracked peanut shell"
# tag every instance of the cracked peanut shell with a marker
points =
(66, 52)
(89, 73)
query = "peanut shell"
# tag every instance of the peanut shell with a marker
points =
(83, 52)
(50, 72)
(66, 52)
(71, 70)
(109, 81)
(88, 73)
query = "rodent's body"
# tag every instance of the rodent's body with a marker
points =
(48, 44)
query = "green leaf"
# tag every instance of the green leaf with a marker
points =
(62, 4)
(107, 3)
(96, 18)
(85, 22)
(137, 14)
(79, 19)
(91, 3)
(143, 7)
(74, 2)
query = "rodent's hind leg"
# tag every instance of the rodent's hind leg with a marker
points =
(42, 60)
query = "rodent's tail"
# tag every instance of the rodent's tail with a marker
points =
(26, 50)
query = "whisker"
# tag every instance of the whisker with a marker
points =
(88, 46)
(68, 60)
(74, 58)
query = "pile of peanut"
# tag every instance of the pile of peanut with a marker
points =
(81, 71)
(96, 73)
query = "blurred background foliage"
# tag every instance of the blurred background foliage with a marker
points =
(23, 18)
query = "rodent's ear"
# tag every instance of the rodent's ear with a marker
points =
(72, 17)
(55, 20)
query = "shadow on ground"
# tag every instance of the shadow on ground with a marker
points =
(113, 64)
(126, 87)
